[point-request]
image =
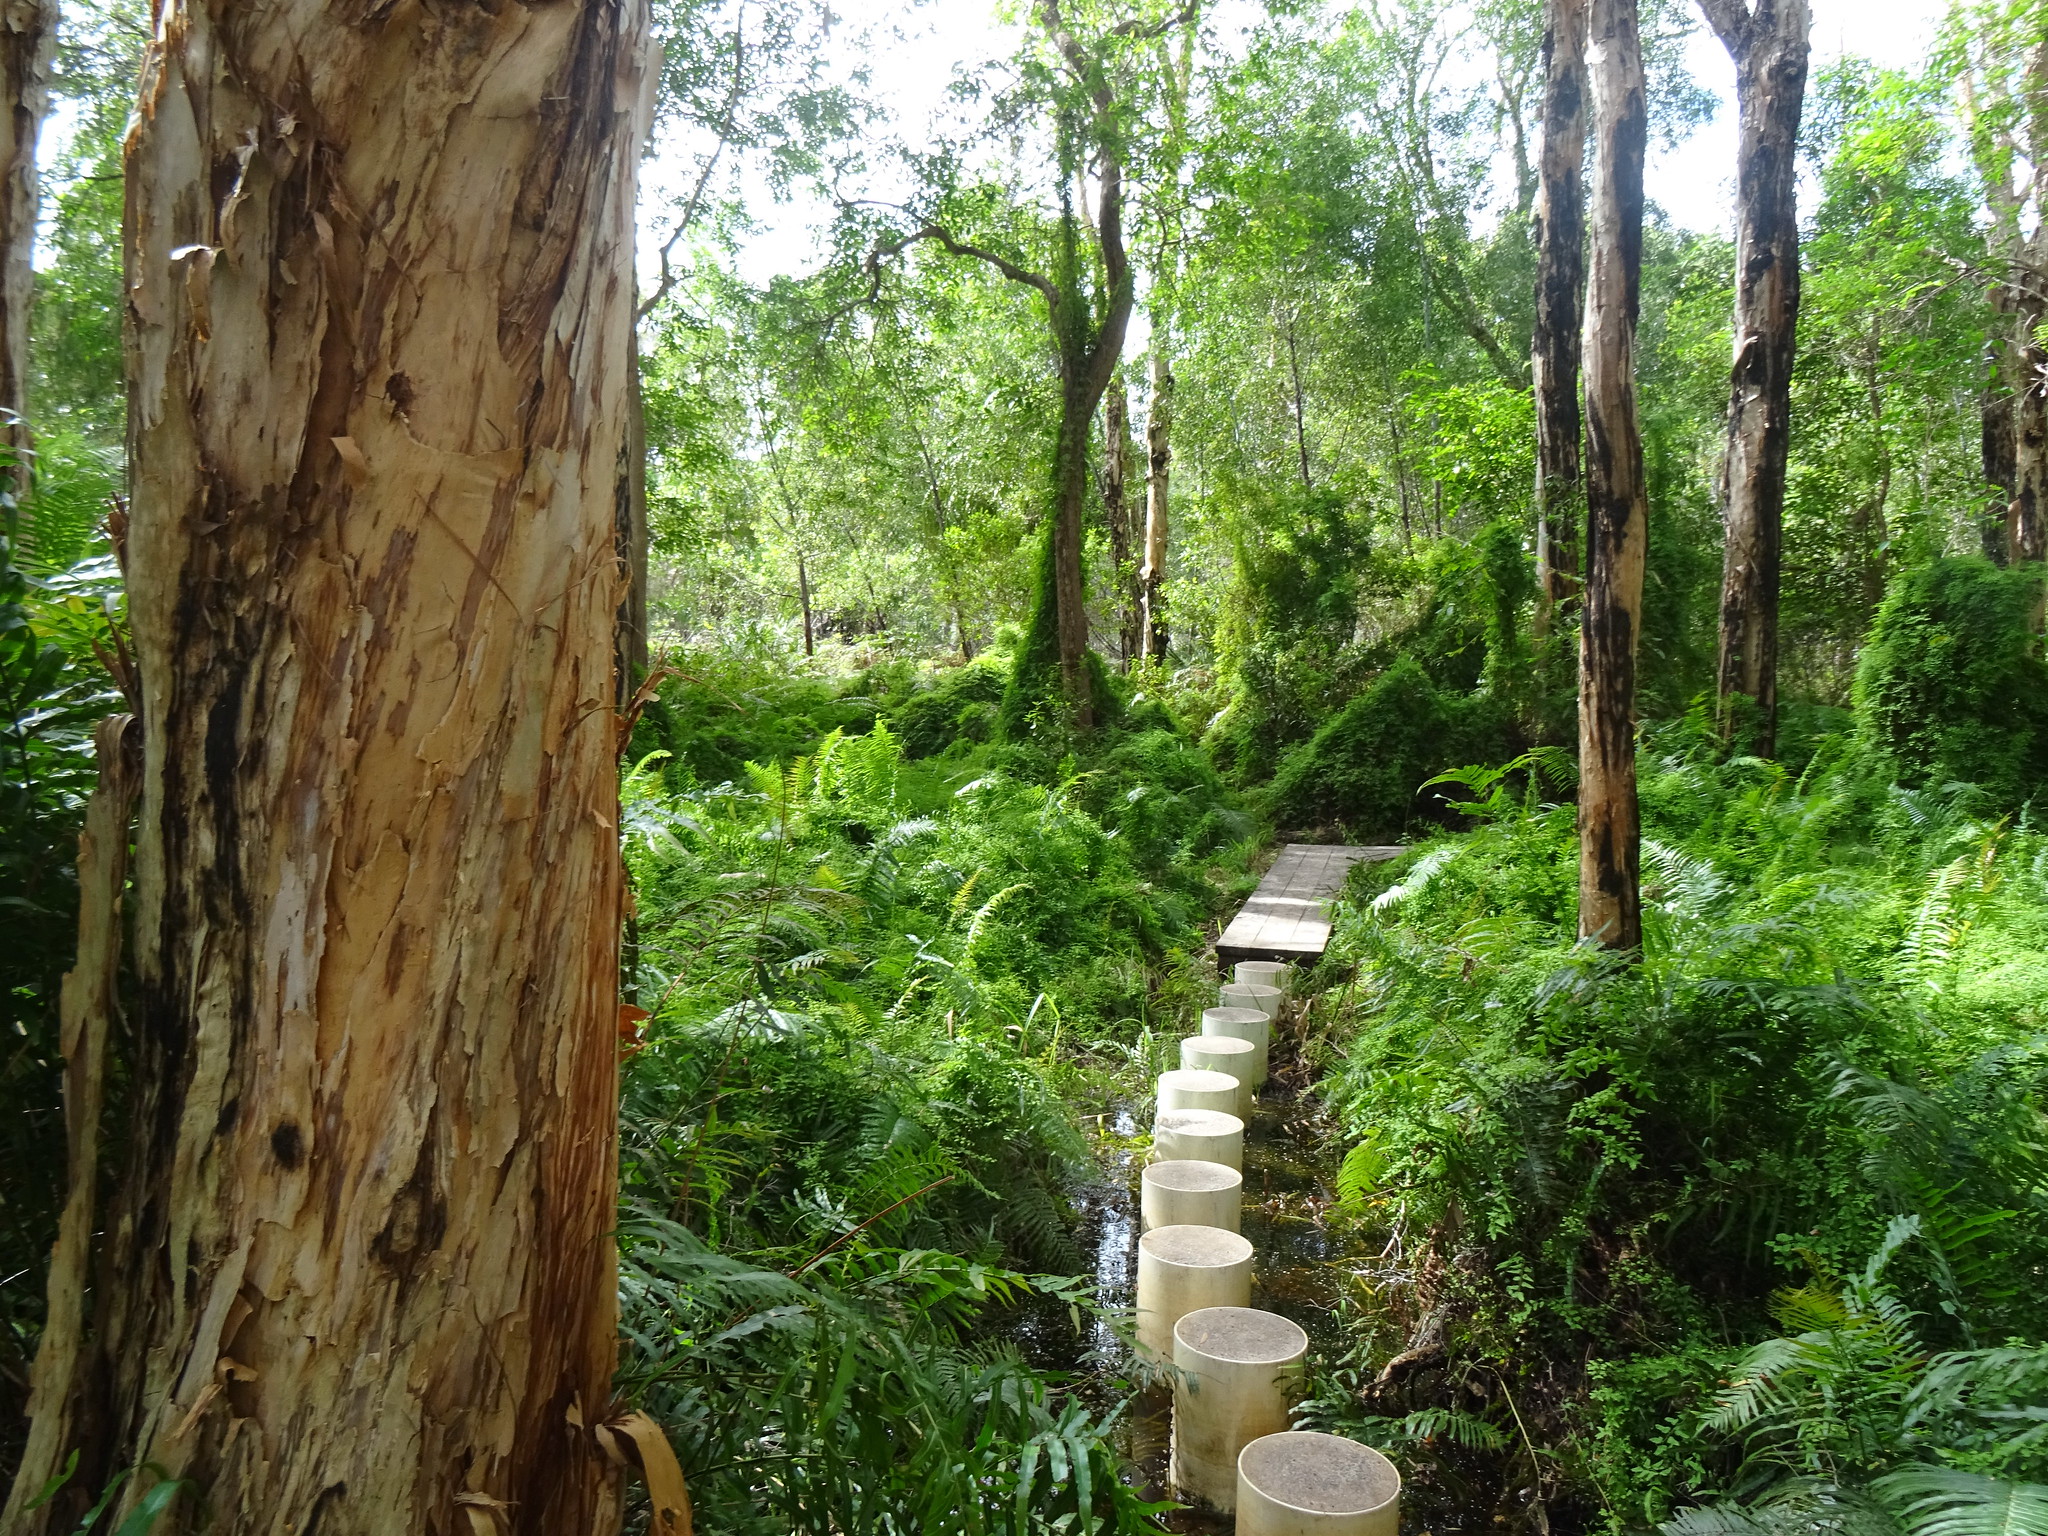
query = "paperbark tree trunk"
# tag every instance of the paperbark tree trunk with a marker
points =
(630, 537)
(358, 1274)
(1152, 628)
(1769, 47)
(1116, 509)
(1610, 829)
(1560, 298)
(28, 40)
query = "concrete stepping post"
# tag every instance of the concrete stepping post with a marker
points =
(1240, 1372)
(1198, 1136)
(1186, 1089)
(1306, 1484)
(1243, 1024)
(1224, 1053)
(1186, 1193)
(1182, 1270)
(1240, 995)
(1263, 973)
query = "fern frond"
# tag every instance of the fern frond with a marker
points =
(1941, 1501)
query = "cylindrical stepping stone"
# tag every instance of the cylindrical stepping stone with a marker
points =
(1243, 1024)
(1305, 1484)
(1185, 1193)
(1240, 995)
(1240, 1373)
(1198, 1136)
(1262, 973)
(1198, 1090)
(1183, 1270)
(1224, 1053)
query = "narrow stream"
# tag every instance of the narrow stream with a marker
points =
(1292, 1153)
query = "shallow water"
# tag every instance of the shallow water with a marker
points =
(1292, 1153)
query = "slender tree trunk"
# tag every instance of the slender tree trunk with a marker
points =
(1999, 449)
(1769, 47)
(1159, 448)
(2026, 524)
(358, 1273)
(1116, 508)
(1610, 832)
(630, 534)
(1560, 299)
(1300, 407)
(28, 40)
(803, 595)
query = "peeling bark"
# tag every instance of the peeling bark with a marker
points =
(630, 537)
(1617, 505)
(358, 1275)
(1560, 296)
(28, 42)
(1152, 628)
(1769, 47)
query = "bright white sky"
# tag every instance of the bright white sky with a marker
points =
(918, 47)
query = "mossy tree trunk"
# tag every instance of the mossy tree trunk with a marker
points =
(1769, 46)
(1610, 828)
(1560, 216)
(357, 1275)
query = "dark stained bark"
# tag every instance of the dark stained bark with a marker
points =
(1152, 627)
(1560, 296)
(1769, 46)
(630, 538)
(2026, 523)
(1610, 829)
(803, 594)
(1116, 513)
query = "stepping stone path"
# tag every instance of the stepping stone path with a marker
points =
(1238, 1370)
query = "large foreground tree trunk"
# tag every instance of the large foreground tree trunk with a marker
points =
(1769, 47)
(1560, 296)
(358, 1274)
(1610, 828)
(28, 39)
(1152, 627)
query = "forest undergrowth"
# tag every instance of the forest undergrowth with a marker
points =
(1747, 1236)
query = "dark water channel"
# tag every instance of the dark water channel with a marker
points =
(1292, 1152)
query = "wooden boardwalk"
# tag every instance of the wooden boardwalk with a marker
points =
(1288, 916)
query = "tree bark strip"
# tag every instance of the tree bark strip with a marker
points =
(28, 42)
(1116, 509)
(88, 1002)
(359, 1276)
(1617, 506)
(1152, 625)
(1769, 47)
(1560, 218)
(630, 537)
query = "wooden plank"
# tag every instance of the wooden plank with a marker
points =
(1288, 916)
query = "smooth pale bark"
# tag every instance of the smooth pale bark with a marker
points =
(1116, 511)
(28, 41)
(1560, 218)
(1617, 505)
(1152, 628)
(358, 1272)
(1769, 47)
